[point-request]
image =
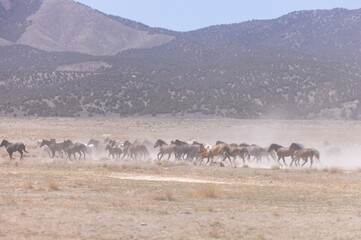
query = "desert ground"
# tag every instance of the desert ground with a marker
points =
(101, 198)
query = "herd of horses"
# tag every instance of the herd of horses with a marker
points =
(191, 151)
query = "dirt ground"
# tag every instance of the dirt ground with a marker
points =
(41, 198)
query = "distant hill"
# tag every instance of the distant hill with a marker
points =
(62, 58)
(54, 25)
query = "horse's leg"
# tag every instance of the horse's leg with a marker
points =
(10, 155)
(311, 159)
(293, 160)
(48, 151)
(235, 161)
(284, 161)
(159, 158)
(207, 161)
(305, 161)
(230, 160)
(278, 160)
(21, 154)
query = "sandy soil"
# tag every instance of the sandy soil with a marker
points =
(43, 198)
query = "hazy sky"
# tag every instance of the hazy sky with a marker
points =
(184, 15)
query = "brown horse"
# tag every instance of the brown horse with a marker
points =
(165, 149)
(305, 153)
(283, 152)
(13, 147)
(236, 151)
(217, 150)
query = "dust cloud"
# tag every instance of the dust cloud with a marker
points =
(337, 141)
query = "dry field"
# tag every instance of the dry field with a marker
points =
(107, 199)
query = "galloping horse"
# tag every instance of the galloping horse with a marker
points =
(305, 153)
(44, 148)
(165, 149)
(236, 151)
(13, 147)
(217, 150)
(259, 152)
(54, 147)
(134, 149)
(283, 152)
(72, 148)
(113, 151)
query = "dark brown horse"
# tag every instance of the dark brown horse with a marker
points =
(72, 148)
(236, 151)
(114, 151)
(13, 147)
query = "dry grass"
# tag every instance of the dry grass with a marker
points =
(52, 186)
(209, 191)
(275, 167)
(169, 193)
(166, 195)
(215, 234)
(210, 208)
(167, 163)
(28, 186)
(335, 170)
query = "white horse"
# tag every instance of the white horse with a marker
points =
(44, 148)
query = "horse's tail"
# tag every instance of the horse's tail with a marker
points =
(247, 153)
(23, 146)
(226, 151)
(317, 154)
(83, 148)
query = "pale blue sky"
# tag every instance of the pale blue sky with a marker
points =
(185, 15)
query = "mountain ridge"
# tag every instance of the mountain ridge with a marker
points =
(302, 65)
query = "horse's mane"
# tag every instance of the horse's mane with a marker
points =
(296, 146)
(244, 145)
(220, 142)
(160, 141)
(274, 146)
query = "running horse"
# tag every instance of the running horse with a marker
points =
(13, 147)
(283, 152)
(134, 150)
(215, 151)
(165, 149)
(306, 153)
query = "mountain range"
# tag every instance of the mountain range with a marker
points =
(62, 58)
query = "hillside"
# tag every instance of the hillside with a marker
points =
(302, 65)
(54, 25)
